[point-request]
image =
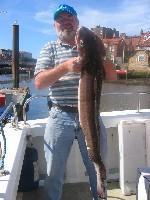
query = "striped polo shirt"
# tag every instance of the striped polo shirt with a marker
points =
(65, 90)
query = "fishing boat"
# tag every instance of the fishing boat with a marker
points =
(128, 155)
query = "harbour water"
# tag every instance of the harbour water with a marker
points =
(38, 107)
(109, 101)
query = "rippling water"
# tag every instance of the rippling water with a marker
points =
(38, 107)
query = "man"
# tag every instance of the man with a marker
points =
(58, 68)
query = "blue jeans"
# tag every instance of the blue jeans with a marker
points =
(61, 130)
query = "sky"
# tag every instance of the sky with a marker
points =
(35, 19)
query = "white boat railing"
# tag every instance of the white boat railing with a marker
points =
(27, 102)
(15, 153)
(139, 94)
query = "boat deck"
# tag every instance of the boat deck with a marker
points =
(78, 191)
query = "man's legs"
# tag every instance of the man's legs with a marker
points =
(58, 139)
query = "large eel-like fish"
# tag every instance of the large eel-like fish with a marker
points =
(91, 53)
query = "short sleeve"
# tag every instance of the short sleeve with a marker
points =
(45, 59)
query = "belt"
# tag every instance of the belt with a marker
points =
(70, 109)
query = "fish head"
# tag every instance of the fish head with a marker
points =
(82, 36)
(90, 49)
(85, 39)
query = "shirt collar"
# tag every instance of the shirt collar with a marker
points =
(67, 45)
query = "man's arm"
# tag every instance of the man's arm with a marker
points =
(47, 77)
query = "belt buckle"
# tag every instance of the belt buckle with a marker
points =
(66, 108)
(72, 109)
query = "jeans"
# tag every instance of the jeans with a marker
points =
(61, 130)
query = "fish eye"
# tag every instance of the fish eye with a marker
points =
(81, 43)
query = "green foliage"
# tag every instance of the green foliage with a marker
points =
(132, 74)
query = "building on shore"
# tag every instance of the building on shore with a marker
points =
(132, 52)
(26, 61)
(141, 56)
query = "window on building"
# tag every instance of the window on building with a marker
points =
(141, 58)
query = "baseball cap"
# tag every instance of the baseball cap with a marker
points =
(64, 8)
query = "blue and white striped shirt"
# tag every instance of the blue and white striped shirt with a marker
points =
(65, 90)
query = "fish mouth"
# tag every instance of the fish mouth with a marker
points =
(79, 42)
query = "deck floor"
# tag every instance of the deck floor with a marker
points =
(78, 191)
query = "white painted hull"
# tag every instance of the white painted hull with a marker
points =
(75, 171)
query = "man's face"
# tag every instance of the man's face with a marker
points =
(66, 26)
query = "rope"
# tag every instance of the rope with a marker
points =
(4, 150)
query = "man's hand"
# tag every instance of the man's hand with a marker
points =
(50, 76)
(73, 65)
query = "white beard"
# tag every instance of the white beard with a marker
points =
(66, 35)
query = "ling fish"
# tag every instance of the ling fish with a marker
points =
(91, 54)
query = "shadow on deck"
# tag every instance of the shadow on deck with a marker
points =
(77, 191)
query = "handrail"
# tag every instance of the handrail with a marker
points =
(139, 99)
(116, 93)
(103, 94)
(26, 103)
(124, 93)
(128, 93)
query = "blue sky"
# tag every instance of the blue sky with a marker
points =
(35, 19)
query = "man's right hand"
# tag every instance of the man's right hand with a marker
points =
(50, 76)
(73, 65)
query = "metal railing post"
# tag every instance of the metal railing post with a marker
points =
(25, 104)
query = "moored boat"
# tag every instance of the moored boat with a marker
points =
(122, 165)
